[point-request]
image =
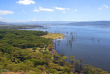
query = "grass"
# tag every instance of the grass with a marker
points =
(54, 36)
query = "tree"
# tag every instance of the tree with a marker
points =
(34, 49)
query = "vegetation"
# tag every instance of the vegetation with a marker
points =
(53, 35)
(27, 51)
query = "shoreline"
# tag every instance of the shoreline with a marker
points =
(54, 36)
(84, 66)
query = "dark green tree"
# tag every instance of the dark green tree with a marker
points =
(34, 49)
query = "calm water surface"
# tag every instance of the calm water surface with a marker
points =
(90, 43)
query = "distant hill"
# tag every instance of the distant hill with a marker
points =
(51, 22)
(42, 22)
(94, 23)
(3, 23)
(88, 23)
(97, 23)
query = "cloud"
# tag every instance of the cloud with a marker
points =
(36, 10)
(26, 2)
(50, 10)
(4, 12)
(46, 9)
(60, 8)
(35, 19)
(43, 9)
(103, 7)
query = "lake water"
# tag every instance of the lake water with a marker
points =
(90, 43)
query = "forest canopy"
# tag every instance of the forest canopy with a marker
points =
(28, 51)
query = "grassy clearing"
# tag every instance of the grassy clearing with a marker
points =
(54, 36)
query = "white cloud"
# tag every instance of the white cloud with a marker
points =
(60, 8)
(35, 19)
(36, 10)
(25, 2)
(103, 6)
(4, 12)
(46, 9)
(43, 9)
(50, 10)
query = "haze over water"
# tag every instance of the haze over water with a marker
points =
(91, 43)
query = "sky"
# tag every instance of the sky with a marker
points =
(54, 10)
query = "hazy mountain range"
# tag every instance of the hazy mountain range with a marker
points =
(100, 23)
(97, 23)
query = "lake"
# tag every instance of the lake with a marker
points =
(91, 43)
